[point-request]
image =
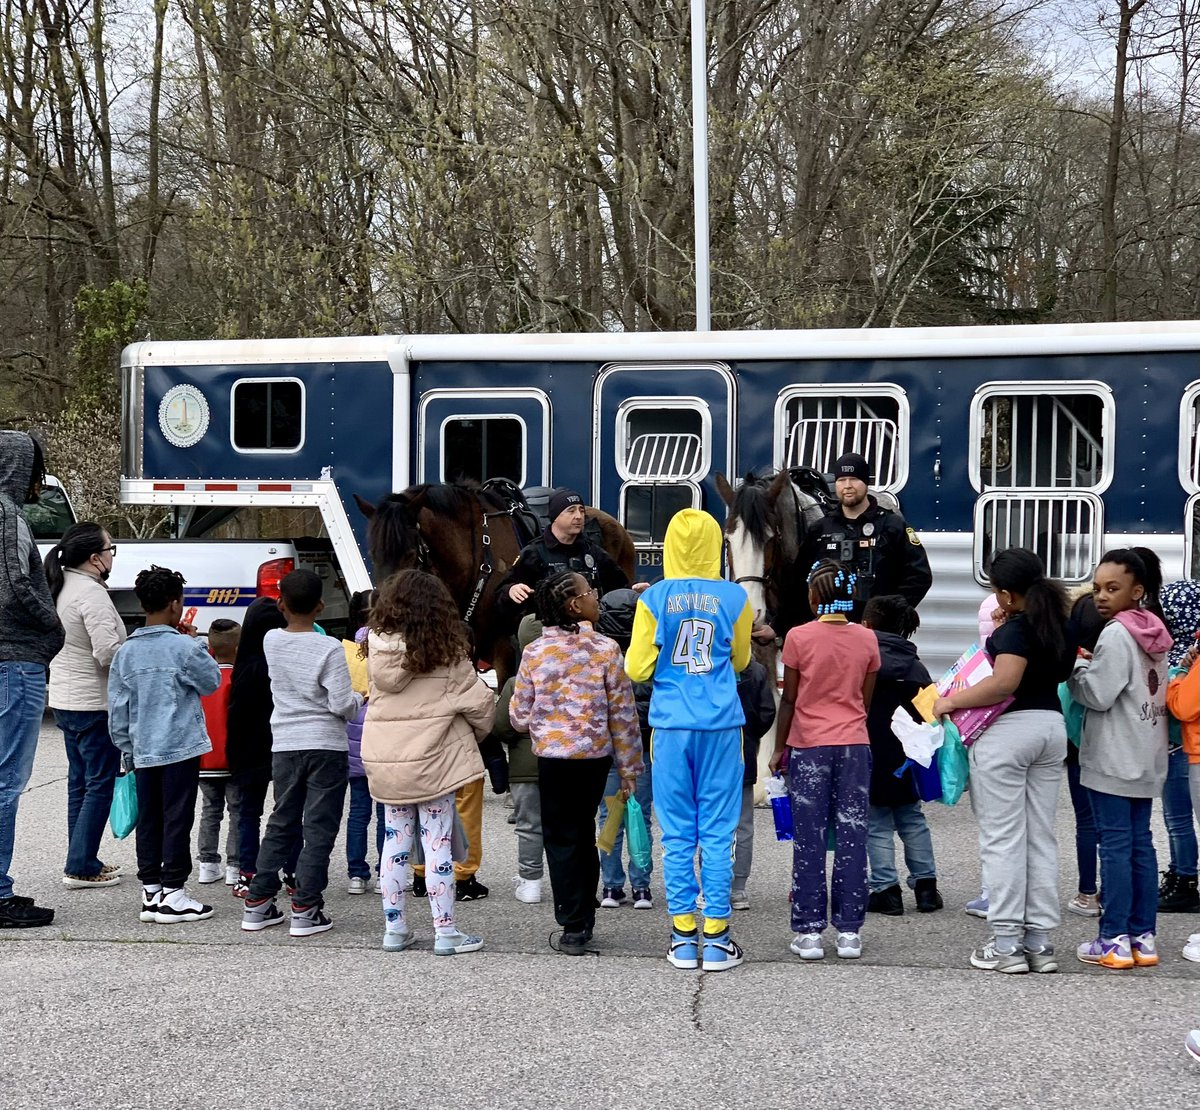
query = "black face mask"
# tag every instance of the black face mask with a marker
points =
(104, 574)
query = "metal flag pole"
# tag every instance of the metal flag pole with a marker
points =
(700, 162)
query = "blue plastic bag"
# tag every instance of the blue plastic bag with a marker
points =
(123, 816)
(953, 764)
(637, 836)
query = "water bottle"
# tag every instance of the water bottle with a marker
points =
(781, 806)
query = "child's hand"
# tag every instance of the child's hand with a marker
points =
(628, 785)
(1083, 653)
(763, 633)
(1189, 657)
(775, 763)
(186, 628)
(943, 707)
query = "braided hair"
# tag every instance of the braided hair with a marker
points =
(834, 584)
(157, 587)
(552, 598)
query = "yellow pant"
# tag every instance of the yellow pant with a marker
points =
(468, 800)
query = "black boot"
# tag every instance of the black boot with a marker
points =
(928, 898)
(1183, 896)
(886, 901)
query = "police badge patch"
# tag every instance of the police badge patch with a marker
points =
(913, 538)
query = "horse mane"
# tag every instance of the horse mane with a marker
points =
(392, 533)
(450, 498)
(751, 507)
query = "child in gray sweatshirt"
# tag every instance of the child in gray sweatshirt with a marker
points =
(1123, 757)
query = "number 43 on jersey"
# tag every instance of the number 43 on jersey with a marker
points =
(693, 646)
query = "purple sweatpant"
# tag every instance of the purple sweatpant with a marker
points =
(829, 786)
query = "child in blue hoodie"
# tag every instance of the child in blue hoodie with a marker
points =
(1123, 757)
(156, 718)
(691, 635)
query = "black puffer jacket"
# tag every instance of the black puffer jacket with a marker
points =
(901, 675)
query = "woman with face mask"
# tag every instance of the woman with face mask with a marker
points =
(76, 570)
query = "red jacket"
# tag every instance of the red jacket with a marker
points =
(216, 712)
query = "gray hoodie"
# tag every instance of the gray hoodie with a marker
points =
(1123, 687)
(30, 631)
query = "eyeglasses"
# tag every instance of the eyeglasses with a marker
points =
(111, 547)
(587, 593)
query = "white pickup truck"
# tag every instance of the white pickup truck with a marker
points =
(223, 576)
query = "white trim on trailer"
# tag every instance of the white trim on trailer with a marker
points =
(321, 494)
(1009, 340)
(401, 426)
(1005, 340)
(268, 450)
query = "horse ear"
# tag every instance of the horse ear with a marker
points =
(724, 489)
(782, 482)
(364, 507)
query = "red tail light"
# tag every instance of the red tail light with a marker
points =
(271, 573)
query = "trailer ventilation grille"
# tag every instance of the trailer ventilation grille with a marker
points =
(665, 457)
(1065, 529)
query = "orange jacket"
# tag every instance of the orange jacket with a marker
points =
(1183, 703)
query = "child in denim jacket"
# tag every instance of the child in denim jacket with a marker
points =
(155, 716)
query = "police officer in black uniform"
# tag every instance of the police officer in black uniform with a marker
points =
(562, 546)
(876, 543)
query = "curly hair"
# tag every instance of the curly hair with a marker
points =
(834, 586)
(157, 587)
(551, 600)
(891, 613)
(417, 607)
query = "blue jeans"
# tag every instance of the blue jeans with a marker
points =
(1128, 865)
(22, 703)
(92, 765)
(357, 822)
(612, 874)
(1085, 828)
(1177, 815)
(909, 822)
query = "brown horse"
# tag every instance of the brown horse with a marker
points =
(467, 536)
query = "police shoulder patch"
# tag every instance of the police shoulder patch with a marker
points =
(913, 538)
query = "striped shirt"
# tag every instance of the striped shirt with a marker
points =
(574, 699)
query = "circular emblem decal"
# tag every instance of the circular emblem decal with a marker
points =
(183, 415)
(868, 529)
(1152, 681)
(589, 562)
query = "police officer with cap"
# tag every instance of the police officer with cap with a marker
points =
(562, 546)
(876, 543)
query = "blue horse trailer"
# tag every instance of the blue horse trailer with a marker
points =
(1066, 439)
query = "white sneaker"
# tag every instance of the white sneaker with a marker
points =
(849, 946)
(527, 890)
(808, 946)
(177, 905)
(209, 872)
(379, 885)
(1191, 950)
(231, 876)
(357, 885)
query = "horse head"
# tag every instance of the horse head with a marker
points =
(394, 540)
(755, 542)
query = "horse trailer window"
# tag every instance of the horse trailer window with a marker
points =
(1189, 439)
(662, 442)
(1191, 538)
(483, 447)
(1041, 454)
(817, 424)
(1045, 436)
(268, 414)
(646, 510)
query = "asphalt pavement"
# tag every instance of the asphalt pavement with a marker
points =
(102, 1010)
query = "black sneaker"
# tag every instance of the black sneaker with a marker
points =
(613, 897)
(928, 898)
(420, 890)
(469, 890)
(17, 912)
(887, 901)
(1183, 897)
(572, 944)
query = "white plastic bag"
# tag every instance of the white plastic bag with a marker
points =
(919, 741)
